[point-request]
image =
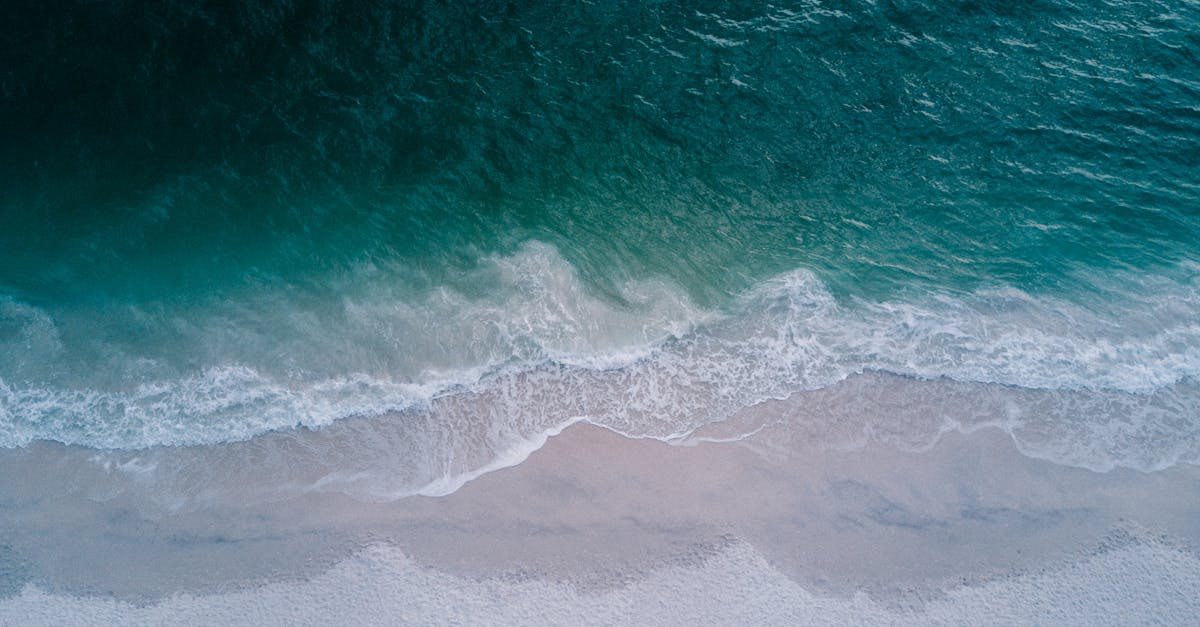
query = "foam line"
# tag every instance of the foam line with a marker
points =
(543, 348)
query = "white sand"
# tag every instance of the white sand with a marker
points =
(597, 528)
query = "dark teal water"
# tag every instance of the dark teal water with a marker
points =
(218, 221)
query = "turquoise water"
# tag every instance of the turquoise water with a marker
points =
(221, 222)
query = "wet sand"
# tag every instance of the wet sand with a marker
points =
(596, 527)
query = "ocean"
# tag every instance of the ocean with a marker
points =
(440, 232)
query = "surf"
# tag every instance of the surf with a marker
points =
(539, 348)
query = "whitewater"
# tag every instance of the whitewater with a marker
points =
(475, 382)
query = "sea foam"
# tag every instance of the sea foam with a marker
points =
(474, 376)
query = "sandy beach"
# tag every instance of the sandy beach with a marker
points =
(771, 527)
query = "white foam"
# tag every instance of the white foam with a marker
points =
(535, 348)
(509, 456)
(221, 404)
